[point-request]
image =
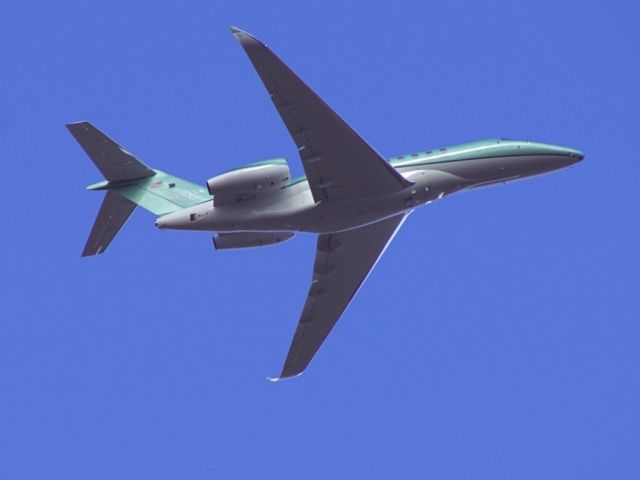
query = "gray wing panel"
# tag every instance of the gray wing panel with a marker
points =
(338, 162)
(343, 262)
(113, 161)
(115, 210)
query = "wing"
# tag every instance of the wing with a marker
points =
(115, 210)
(339, 164)
(343, 262)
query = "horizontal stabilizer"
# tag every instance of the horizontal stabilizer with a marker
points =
(114, 212)
(129, 182)
(113, 161)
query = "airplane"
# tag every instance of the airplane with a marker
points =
(351, 197)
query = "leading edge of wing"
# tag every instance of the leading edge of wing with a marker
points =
(343, 262)
(338, 162)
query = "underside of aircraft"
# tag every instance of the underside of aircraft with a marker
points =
(352, 197)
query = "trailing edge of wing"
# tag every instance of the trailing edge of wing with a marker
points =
(343, 262)
(338, 162)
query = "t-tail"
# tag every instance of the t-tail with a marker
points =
(128, 183)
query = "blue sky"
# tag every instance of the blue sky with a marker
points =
(498, 338)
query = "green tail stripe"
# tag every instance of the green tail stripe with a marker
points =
(162, 193)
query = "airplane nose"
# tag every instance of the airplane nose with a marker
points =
(158, 223)
(575, 156)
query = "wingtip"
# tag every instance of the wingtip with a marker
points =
(81, 125)
(244, 37)
(278, 379)
(238, 33)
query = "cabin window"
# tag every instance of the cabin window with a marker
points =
(172, 185)
(414, 155)
(192, 217)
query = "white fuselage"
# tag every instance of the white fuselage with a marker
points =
(293, 208)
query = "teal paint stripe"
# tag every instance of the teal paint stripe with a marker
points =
(439, 162)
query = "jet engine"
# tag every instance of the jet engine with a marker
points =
(250, 181)
(225, 241)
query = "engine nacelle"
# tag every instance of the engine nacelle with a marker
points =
(249, 181)
(225, 241)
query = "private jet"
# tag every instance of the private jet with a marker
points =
(351, 197)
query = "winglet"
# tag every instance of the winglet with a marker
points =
(244, 37)
(278, 379)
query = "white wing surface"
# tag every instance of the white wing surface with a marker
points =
(343, 262)
(339, 164)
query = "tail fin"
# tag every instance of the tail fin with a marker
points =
(129, 183)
